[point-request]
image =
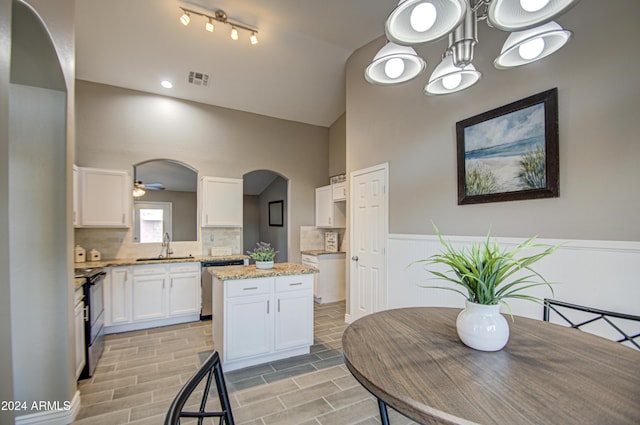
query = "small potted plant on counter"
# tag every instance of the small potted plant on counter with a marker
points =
(263, 254)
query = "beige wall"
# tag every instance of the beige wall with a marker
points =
(117, 128)
(338, 146)
(598, 92)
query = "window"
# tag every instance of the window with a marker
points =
(152, 219)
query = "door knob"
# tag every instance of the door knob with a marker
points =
(354, 258)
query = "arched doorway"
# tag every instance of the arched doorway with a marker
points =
(265, 211)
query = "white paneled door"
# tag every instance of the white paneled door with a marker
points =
(369, 227)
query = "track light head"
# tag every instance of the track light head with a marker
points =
(234, 33)
(185, 18)
(209, 26)
(254, 38)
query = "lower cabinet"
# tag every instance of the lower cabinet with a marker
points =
(262, 319)
(140, 297)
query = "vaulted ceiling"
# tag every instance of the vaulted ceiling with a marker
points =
(295, 72)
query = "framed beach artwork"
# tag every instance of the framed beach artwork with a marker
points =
(510, 153)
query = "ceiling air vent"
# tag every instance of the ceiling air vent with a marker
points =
(198, 78)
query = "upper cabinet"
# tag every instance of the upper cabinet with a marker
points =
(221, 201)
(104, 198)
(339, 191)
(329, 213)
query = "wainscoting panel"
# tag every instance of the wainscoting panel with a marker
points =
(600, 274)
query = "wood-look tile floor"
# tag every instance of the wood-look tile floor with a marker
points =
(140, 373)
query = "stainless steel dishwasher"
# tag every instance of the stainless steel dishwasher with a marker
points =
(205, 312)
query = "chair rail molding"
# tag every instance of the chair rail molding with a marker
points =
(602, 274)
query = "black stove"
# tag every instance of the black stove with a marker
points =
(94, 319)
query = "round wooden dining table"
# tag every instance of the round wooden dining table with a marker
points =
(412, 360)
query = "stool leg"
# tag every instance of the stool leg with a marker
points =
(384, 416)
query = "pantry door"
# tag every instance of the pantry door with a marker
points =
(369, 228)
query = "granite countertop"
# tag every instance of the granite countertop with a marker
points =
(317, 252)
(248, 272)
(117, 262)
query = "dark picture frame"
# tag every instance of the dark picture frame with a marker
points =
(275, 214)
(510, 153)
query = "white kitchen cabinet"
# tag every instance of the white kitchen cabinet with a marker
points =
(330, 284)
(221, 202)
(257, 320)
(118, 296)
(329, 213)
(339, 191)
(105, 198)
(293, 326)
(76, 196)
(79, 313)
(184, 290)
(147, 296)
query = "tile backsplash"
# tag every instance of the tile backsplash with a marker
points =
(118, 243)
(312, 238)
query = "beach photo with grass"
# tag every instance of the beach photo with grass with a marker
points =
(506, 153)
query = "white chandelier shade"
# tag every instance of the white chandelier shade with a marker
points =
(528, 46)
(447, 78)
(518, 15)
(394, 64)
(421, 21)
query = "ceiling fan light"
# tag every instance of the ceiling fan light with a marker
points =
(421, 21)
(138, 192)
(514, 52)
(447, 78)
(394, 64)
(518, 15)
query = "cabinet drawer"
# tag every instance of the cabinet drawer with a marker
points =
(148, 270)
(78, 295)
(247, 287)
(294, 283)
(185, 268)
(310, 260)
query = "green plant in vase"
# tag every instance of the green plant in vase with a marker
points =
(263, 253)
(487, 275)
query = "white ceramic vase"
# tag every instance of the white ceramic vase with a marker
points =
(264, 265)
(482, 327)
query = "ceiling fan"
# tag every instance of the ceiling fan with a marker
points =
(139, 188)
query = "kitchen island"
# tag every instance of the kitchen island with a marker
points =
(261, 315)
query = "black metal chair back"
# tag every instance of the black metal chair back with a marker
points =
(562, 309)
(211, 369)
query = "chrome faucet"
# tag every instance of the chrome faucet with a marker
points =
(166, 243)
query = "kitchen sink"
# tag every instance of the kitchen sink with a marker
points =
(164, 258)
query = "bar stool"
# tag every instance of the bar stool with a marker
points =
(211, 369)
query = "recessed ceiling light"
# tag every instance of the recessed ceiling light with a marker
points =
(166, 84)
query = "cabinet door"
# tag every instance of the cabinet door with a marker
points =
(324, 206)
(221, 202)
(294, 319)
(79, 337)
(118, 305)
(184, 293)
(248, 326)
(105, 197)
(149, 297)
(339, 191)
(76, 196)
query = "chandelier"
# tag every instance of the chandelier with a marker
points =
(534, 35)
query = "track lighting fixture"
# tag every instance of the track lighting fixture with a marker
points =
(533, 36)
(219, 16)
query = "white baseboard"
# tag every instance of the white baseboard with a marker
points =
(63, 416)
(348, 318)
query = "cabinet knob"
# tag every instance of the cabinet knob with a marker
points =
(355, 258)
